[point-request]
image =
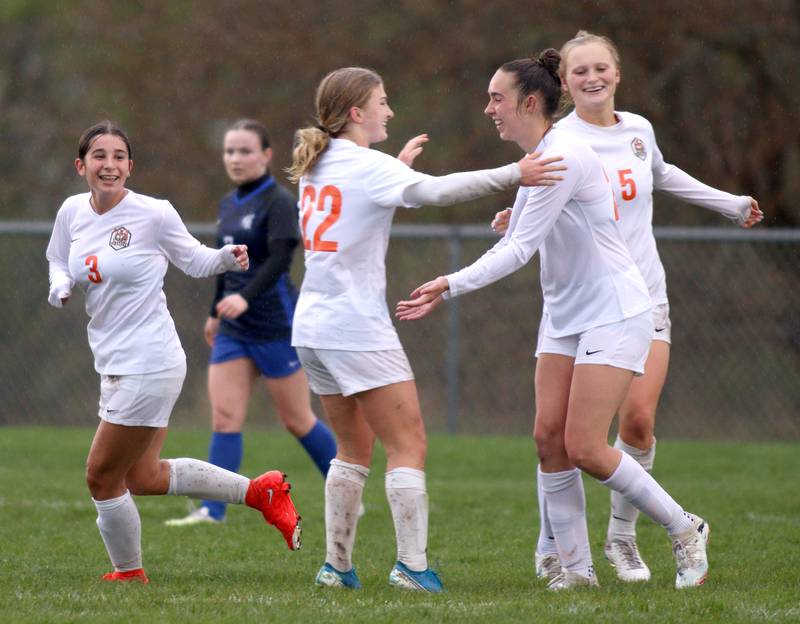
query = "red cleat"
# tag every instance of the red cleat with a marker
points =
(128, 575)
(269, 493)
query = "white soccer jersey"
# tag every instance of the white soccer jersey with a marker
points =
(346, 208)
(119, 260)
(588, 276)
(631, 157)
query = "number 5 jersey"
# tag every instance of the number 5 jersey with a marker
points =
(635, 166)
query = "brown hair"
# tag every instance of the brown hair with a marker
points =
(538, 75)
(582, 37)
(98, 129)
(338, 92)
(256, 127)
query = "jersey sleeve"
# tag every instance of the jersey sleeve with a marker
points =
(675, 181)
(461, 187)
(386, 178)
(57, 254)
(186, 252)
(527, 230)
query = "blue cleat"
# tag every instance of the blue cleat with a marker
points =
(328, 576)
(427, 580)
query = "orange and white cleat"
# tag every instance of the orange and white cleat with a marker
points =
(269, 493)
(126, 576)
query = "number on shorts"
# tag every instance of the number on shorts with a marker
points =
(94, 274)
(308, 203)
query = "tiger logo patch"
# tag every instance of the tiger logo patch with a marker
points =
(637, 145)
(120, 238)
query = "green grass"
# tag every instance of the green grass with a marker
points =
(483, 525)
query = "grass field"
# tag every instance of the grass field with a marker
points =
(483, 525)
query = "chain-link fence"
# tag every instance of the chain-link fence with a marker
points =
(734, 371)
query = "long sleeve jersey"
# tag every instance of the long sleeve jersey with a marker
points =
(119, 260)
(636, 167)
(588, 276)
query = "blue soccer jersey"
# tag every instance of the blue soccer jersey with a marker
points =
(262, 215)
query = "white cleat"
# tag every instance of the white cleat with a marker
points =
(196, 516)
(624, 555)
(571, 580)
(691, 560)
(548, 566)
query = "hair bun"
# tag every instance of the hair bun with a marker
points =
(550, 59)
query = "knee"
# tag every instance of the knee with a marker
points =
(549, 439)
(224, 420)
(99, 480)
(297, 422)
(581, 453)
(636, 425)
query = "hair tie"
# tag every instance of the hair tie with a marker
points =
(322, 128)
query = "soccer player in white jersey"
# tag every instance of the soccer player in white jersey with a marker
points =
(597, 328)
(115, 245)
(626, 144)
(342, 329)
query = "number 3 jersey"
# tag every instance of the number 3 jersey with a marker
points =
(119, 260)
(346, 207)
(633, 162)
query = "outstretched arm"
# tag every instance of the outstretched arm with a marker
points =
(467, 185)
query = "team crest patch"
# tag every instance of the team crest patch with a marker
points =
(637, 145)
(120, 238)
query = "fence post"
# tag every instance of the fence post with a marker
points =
(453, 352)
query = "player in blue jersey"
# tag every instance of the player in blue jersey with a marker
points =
(250, 324)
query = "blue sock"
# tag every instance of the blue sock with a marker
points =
(320, 444)
(224, 450)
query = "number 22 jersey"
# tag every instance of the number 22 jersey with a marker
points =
(347, 203)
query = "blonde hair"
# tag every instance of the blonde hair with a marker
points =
(338, 92)
(582, 37)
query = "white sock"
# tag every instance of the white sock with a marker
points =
(121, 530)
(643, 492)
(408, 500)
(622, 523)
(344, 486)
(547, 541)
(198, 479)
(566, 508)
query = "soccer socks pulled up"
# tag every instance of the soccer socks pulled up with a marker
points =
(320, 444)
(344, 486)
(408, 500)
(547, 541)
(198, 479)
(566, 509)
(121, 530)
(622, 523)
(226, 451)
(643, 492)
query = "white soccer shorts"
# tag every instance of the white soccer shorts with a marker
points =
(662, 325)
(141, 400)
(332, 371)
(624, 344)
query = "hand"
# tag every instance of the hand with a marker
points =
(210, 330)
(240, 253)
(537, 172)
(412, 149)
(755, 215)
(232, 306)
(501, 220)
(423, 300)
